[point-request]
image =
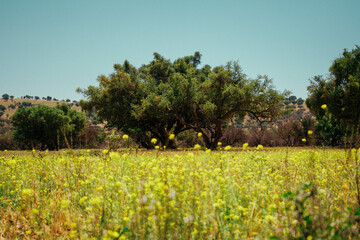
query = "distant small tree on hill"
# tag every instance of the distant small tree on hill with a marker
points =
(5, 96)
(26, 104)
(292, 98)
(300, 101)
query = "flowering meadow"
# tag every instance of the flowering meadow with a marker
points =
(248, 193)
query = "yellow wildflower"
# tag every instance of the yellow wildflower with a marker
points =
(197, 147)
(172, 136)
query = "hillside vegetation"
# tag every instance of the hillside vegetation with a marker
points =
(14, 104)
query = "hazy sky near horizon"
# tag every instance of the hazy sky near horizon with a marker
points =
(49, 48)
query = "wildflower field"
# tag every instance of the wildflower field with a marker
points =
(236, 194)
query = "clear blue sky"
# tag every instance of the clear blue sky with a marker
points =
(49, 48)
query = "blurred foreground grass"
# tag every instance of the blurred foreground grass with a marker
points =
(274, 193)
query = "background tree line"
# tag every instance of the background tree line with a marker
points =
(223, 104)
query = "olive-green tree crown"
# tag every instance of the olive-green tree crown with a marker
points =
(47, 127)
(164, 97)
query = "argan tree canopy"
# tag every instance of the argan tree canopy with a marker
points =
(164, 97)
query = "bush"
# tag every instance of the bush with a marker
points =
(26, 104)
(234, 137)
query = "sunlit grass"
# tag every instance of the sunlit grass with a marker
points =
(175, 195)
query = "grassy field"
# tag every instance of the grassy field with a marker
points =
(247, 194)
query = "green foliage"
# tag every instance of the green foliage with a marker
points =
(330, 130)
(26, 104)
(339, 91)
(5, 96)
(165, 97)
(292, 98)
(46, 127)
(224, 93)
(300, 101)
(314, 222)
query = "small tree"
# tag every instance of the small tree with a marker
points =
(45, 126)
(2, 108)
(300, 101)
(5, 96)
(292, 98)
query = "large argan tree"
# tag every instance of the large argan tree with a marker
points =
(165, 97)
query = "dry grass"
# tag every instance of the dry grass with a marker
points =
(9, 111)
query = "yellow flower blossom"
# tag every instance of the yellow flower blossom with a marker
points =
(197, 147)
(172, 136)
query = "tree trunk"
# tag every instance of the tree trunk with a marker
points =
(211, 143)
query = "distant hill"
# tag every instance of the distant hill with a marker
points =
(12, 105)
